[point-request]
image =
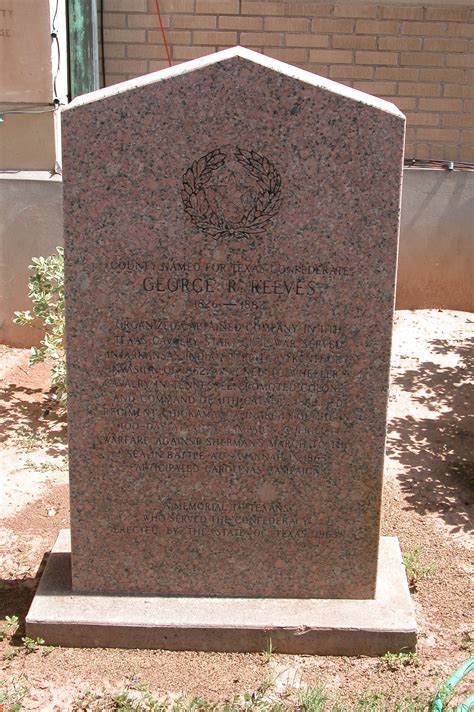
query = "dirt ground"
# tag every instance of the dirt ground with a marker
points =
(427, 499)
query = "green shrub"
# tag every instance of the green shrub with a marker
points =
(46, 291)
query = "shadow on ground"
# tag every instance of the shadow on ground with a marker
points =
(437, 452)
(29, 422)
(17, 595)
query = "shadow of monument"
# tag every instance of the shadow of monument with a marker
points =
(31, 423)
(16, 597)
(437, 452)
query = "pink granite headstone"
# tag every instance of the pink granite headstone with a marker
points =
(231, 242)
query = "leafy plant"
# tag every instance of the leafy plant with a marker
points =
(269, 651)
(415, 569)
(31, 645)
(10, 627)
(313, 699)
(11, 694)
(46, 291)
(395, 661)
(46, 466)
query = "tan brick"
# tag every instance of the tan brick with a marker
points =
(417, 89)
(442, 75)
(410, 134)
(206, 37)
(421, 150)
(185, 53)
(114, 78)
(127, 5)
(442, 44)
(287, 55)
(305, 40)
(330, 56)
(146, 22)
(443, 152)
(234, 22)
(424, 29)
(169, 6)
(146, 51)
(421, 59)
(332, 26)
(115, 50)
(461, 91)
(194, 22)
(355, 10)
(461, 30)
(469, 105)
(436, 134)
(377, 27)
(448, 13)
(460, 60)
(466, 153)
(321, 70)
(263, 39)
(422, 119)
(440, 104)
(286, 24)
(405, 103)
(217, 7)
(178, 37)
(155, 65)
(376, 58)
(462, 121)
(255, 48)
(260, 8)
(377, 88)
(400, 43)
(353, 42)
(393, 12)
(309, 9)
(127, 66)
(397, 73)
(115, 20)
(126, 36)
(350, 72)
(468, 136)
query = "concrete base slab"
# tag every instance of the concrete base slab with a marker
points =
(309, 626)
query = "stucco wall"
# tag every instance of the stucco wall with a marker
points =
(30, 225)
(33, 69)
(436, 257)
(436, 246)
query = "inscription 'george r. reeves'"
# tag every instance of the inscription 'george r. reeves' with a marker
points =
(199, 285)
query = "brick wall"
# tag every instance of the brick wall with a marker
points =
(419, 56)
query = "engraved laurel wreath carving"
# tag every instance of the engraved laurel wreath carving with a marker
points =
(265, 202)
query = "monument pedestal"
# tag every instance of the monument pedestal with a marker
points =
(297, 626)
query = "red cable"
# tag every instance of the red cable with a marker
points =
(163, 33)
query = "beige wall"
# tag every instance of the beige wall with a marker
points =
(418, 54)
(25, 52)
(436, 259)
(31, 225)
(33, 72)
(27, 142)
